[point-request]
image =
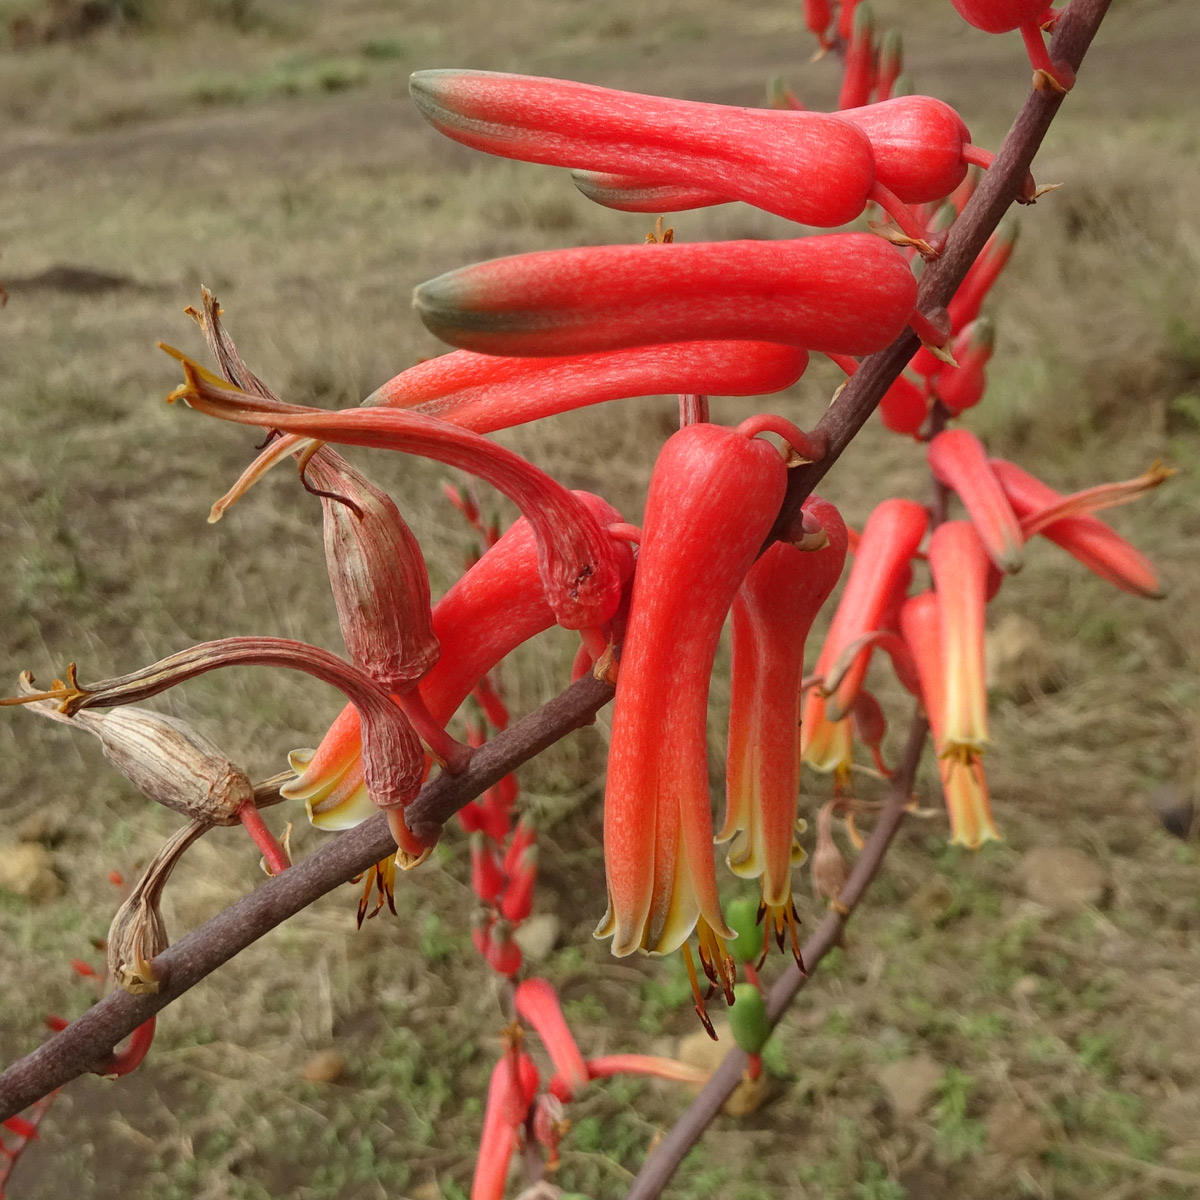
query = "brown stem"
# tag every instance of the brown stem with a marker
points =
(656, 1172)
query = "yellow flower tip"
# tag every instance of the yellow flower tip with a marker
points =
(408, 861)
(963, 750)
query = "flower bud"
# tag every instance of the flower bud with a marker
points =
(137, 933)
(748, 1018)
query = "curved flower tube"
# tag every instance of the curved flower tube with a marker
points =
(772, 614)
(810, 167)
(889, 540)
(964, 783)
(713, 495)
(959, 564)
(958, 459)
(848, 293)
(1087, 538)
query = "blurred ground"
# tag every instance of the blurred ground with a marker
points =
(988, 1032)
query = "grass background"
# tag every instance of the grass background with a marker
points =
(269, 151)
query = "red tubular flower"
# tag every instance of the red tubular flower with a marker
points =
(484, 393)
(517, 901)
(958, 459)
(713, 495)
(1002, 16)
(961, 387)
(1097, 545)
(964, 783)
(849, 293)
(817, 17)
(959, 564)
(495, 607)
(536, 1001)
(487, 878)
(858, 67)
(967, 300)
(501, 1125)
(809, 167)
(889, 540)
(904, 407)
(772, 614)
(845, 24)
(582, 567)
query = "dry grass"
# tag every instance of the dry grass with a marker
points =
(268, 151)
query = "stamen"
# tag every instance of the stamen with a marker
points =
(304, 459)
(701, 1011)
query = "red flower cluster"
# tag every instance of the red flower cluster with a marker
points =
(542, 333)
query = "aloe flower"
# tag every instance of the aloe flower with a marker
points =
(881, 572)
(958, 459)
(582, 567)
(959, 564)
(964, 783)
(847, 293)
(772, 614)
(483, 392)
(713, 495)
(1085, 537)
(962, 386)
(810, 167)
(511, 1091)
(536, 1002)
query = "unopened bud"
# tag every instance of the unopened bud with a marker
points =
(137, 933)
(829, 871)
(748, 1018)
